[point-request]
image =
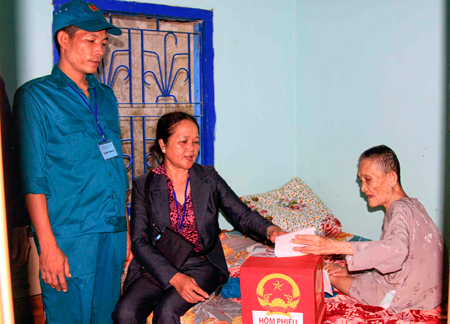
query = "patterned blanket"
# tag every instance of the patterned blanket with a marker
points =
(341, 309)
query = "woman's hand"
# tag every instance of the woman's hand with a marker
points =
(336, 270)
(273, 232)
(188, 288)
(320, 245)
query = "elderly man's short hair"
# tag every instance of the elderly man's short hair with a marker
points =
(386, 158)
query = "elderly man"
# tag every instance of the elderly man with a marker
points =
(403, 270)
(74, 178)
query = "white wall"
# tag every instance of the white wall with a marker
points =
(7, 49)
(26, 42)
(341, 76)
(370, 73)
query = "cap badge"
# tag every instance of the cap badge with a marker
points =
(93, 7)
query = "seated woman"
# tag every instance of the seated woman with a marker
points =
(186, 197)
(403, 270)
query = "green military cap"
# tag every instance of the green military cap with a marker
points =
(83, 15)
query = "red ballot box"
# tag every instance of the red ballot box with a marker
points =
(282, 290)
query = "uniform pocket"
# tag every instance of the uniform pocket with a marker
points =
(70, 125)
(72, 138)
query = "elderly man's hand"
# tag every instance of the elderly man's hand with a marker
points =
(336, 270)
(318, 245)
(313, 244)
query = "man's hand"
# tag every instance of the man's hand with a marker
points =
(54, 267)
(273, 232)
(53, 263)
(188, 288)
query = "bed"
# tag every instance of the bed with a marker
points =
(292, 207)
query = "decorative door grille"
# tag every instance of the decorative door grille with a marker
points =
(153, 67)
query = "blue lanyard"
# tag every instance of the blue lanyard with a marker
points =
(92, 111)
(185, 205)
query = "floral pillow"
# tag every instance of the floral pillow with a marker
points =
(293, 207)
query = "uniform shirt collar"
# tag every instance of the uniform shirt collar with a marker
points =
(62, 80)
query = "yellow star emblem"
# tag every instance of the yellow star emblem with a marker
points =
(277, 286)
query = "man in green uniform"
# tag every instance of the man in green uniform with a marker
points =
(74, 177)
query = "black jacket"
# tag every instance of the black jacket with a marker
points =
(209, 194)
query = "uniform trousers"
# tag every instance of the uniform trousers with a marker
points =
(143, 296)
(96, 264)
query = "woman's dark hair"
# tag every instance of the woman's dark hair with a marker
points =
(385, 157)
(165, 127)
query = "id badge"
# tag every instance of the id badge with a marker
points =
(108, 150)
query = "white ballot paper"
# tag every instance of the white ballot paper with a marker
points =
(284, 247)
(326, 283)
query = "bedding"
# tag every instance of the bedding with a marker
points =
(341, 309)
(294, 206)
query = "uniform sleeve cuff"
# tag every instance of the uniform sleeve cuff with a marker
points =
(36, 186)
